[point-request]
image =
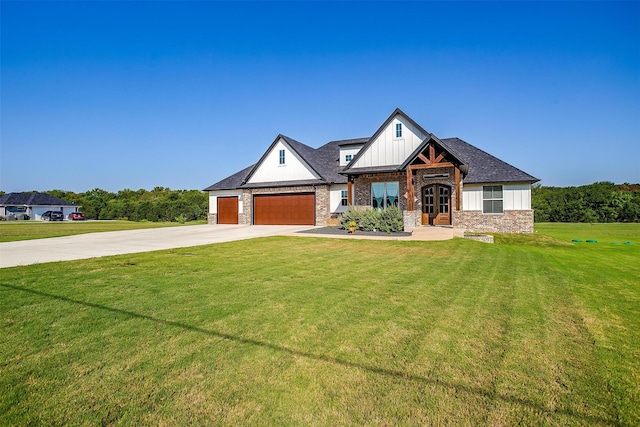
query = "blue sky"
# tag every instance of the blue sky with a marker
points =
(182, 94)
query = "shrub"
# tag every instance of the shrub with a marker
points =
(391, 220)
(388, 220)
(370, 220)
(351, 214)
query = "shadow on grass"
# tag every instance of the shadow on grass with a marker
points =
(324, 358)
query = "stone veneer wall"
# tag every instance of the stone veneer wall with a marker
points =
(520, 221)
(212, 218)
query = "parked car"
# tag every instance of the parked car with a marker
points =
(52, 216)
(76, 216)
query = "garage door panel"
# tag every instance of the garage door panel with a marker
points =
(284, 209)
(227, 210)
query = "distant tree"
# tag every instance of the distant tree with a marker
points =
(597, 202)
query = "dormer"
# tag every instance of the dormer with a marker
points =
(349, 148)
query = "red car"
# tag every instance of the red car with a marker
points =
(76, 216)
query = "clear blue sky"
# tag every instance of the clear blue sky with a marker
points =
(182, 94)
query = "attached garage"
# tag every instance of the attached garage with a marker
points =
(228, 210)
(284, 209)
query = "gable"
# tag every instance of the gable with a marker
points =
(269, 169)
(386, 148)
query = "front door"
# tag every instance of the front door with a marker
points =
(436, 204)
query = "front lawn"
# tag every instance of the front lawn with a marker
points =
(25, 230)
(298, 331)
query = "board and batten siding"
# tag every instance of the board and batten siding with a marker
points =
(293, 169)
(350, 149)
(213, 199)
(514, 196)
(387, 150)
(335, 198)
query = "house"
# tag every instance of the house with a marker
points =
(433, 181)
(16, 205)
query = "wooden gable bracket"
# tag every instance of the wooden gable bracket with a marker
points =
(424, 158)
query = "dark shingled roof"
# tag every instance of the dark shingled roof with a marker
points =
(32, 199)
(231, 182)
(325, 162)
(483, 167)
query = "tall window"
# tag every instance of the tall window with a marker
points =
(384, 194)
(398, 130)
(345, 198)
(348, 157)
(282, 157)
(492, 199)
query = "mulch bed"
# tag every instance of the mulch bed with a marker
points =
(339, 231)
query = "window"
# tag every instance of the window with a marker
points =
(398, 130)
(348, 158)
(345, 198)
(282, 157)
(384, 194)
(492, 199)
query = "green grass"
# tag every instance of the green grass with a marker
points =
(26, 230)
(532, 330)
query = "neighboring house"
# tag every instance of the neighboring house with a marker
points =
(433, 181)
(16, 205)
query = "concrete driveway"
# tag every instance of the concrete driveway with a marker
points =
(92, 245)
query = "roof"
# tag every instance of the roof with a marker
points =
(325, 161)
(32, 199)
(483, 167)
(381, 129)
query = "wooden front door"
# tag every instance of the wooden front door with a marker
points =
(436, 204)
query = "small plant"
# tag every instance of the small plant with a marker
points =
(352, 226)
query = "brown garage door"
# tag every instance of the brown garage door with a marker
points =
(227, 210)
(284, 209)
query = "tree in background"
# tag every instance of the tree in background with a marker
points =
(597, 202)
(159, 204)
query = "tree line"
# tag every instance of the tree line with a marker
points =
(159, 204)
(597, 202)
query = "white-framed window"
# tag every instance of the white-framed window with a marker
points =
(282, 157)
(398, 130)
(492, 200)
(348, 157)
(384, 194)
(345, 198)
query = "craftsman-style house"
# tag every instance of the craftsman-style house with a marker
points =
(433, 181)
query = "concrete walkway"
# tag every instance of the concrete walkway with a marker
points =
(423, 233)
(90, 245)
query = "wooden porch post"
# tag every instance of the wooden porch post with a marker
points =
(410, 189)
(458, 195)
(349, 191)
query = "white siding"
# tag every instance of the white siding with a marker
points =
(335, 192)
(344, 151)
(387, 150)
(515, 196)
(213, 199)
(270, 170)
(471, 197)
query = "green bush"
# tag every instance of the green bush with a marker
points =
(388, 220)
(391, 220)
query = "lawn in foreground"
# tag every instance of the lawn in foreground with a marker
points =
(296, 331)
(26, 230)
